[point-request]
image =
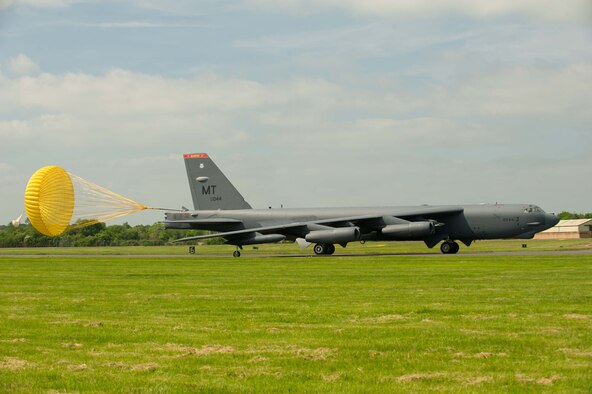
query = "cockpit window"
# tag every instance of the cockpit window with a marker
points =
(533, 208)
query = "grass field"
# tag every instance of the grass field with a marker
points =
(332, 324)
(293, 249)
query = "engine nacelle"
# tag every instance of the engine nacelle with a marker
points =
(334, 236)
(409, 230)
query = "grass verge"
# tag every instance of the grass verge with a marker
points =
(293, 249)
(337, 324)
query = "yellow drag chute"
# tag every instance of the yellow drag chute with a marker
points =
(49, 200)
(56, 200)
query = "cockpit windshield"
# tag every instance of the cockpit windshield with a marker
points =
(533, 209)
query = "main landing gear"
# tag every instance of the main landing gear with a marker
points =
(449, 247)
(237, 253)
(324, 249)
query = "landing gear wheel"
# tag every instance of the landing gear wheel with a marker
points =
(330, 249)
(324, 249)
(320, 249)
(236, 253)
(449, 247)
(455, 248)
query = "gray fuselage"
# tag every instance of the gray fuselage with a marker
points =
(472, 222)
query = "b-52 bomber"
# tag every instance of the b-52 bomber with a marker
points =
(220, 208)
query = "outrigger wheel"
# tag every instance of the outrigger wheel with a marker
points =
(237, 252)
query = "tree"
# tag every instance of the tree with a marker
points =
(565, 215)
(97, 234)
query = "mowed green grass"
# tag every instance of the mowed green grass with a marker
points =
(293, 249)
(319, 324)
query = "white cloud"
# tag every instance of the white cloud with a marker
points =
(569, 9)
(178, 7)
(78, 108)
(4, 168)
(22, 65)
(38, 3)
(11, 187)
(558, 94)
(552, 11)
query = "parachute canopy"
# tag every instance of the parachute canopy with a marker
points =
(56, 200)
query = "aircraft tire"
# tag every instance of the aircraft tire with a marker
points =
(446, 247)
(455, 248)
(320, 249)
(236, 253)
(330, 249)
(449, 247)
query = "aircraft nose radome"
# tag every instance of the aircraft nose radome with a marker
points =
(551, 220)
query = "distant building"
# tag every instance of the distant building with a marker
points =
(566, 229)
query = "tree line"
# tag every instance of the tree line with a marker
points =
(571, 215)
(97, 234)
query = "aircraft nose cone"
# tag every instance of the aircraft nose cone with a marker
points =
(551, 220)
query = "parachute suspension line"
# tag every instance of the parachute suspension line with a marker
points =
(165, 209)
(96, 204)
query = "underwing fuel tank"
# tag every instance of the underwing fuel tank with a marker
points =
(334, 236)
(258, 239)
(409, 230)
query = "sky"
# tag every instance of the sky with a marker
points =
(302, 103)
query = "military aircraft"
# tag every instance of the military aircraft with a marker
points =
(219, 207)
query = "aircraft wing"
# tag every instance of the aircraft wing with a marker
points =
(209, 221)
(245, 231)
(373, 222)
(430, 212)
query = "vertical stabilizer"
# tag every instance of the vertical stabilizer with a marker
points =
(210, 189)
